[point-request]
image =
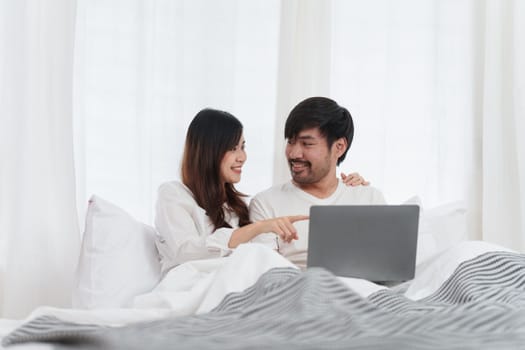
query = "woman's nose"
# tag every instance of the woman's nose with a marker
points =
(241, 156)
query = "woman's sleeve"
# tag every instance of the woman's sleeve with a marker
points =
(185, 232)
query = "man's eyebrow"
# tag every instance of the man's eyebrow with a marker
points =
(306, 137)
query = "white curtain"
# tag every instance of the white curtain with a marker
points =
(503, 124)
(422, 79)
(143, 69)
(305, 56)
(436, 91)
(39, 235)
(406, 72)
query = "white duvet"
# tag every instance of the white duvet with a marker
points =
(198, 286)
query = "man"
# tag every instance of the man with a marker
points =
(319, 133)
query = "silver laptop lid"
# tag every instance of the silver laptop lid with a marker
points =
(374, 242)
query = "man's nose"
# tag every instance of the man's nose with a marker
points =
(294, 151)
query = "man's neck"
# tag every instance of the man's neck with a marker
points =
(322, 189)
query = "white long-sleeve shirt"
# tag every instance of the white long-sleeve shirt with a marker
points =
(287, 199)
(185, 231)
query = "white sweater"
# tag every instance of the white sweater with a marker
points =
(287, 199)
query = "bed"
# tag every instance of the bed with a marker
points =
(470, 294)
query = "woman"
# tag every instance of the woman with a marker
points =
(205, 216)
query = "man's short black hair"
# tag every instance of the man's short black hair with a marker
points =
(332, 120)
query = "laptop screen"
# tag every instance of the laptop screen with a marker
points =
(373, 242)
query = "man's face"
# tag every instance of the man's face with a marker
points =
(309, 157)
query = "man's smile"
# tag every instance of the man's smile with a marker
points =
(299, 165)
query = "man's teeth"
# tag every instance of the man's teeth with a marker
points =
(299, 164)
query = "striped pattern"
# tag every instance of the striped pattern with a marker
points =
(481, 306)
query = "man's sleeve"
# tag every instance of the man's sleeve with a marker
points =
(378, 198)
(258, 212)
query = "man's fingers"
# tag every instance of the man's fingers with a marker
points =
(360, 181)
(354, 179)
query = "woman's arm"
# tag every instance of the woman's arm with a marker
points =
(282, 226)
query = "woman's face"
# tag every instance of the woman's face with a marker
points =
(232, 162)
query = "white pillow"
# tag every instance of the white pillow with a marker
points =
(118, 258)
(440, 228)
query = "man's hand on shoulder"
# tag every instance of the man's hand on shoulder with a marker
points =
(354, 179)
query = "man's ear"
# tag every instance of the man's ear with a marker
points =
(340, 146)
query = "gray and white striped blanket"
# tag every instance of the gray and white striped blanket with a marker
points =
(481, 306)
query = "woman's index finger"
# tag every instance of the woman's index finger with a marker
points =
(294, 218)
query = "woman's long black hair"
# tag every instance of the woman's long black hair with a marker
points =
(210, 135)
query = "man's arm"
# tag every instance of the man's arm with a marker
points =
(259, 211)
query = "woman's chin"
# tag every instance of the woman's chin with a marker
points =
(234, 181)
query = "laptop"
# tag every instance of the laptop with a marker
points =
(373, 242)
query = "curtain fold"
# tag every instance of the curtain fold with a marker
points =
(503, 147)
(305, 53)
(39, 236)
